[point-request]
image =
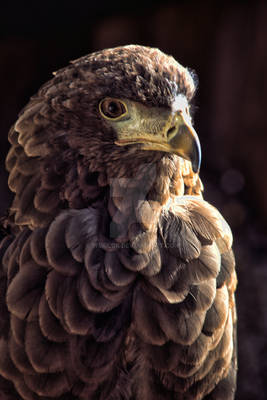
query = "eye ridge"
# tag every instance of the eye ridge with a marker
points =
(111, 108)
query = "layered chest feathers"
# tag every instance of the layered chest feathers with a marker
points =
(137, 276)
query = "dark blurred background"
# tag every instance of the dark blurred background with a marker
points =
(226, 44)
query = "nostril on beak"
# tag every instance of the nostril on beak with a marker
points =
(171, 132)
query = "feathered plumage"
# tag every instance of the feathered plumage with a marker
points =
(117, 278)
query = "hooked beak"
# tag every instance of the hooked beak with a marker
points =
(159, 129)
(183, 140)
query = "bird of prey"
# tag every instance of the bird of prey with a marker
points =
(117, 277)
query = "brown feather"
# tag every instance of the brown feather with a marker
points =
(116, 272)
(25, 290)
(44, 355)
(49, 325)
(20, 358)
(52, 385)
(18, 329)
(7, 367)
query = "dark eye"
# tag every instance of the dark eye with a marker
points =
(112, 108)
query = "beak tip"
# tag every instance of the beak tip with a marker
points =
(196, 159)
(196, 166)
(186, 143)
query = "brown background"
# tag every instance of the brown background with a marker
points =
(226, 44)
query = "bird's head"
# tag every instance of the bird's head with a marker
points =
(129, 104)
(142, 103)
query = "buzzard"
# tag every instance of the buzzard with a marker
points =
(117, 278)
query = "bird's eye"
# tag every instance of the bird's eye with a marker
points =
(112, 108)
